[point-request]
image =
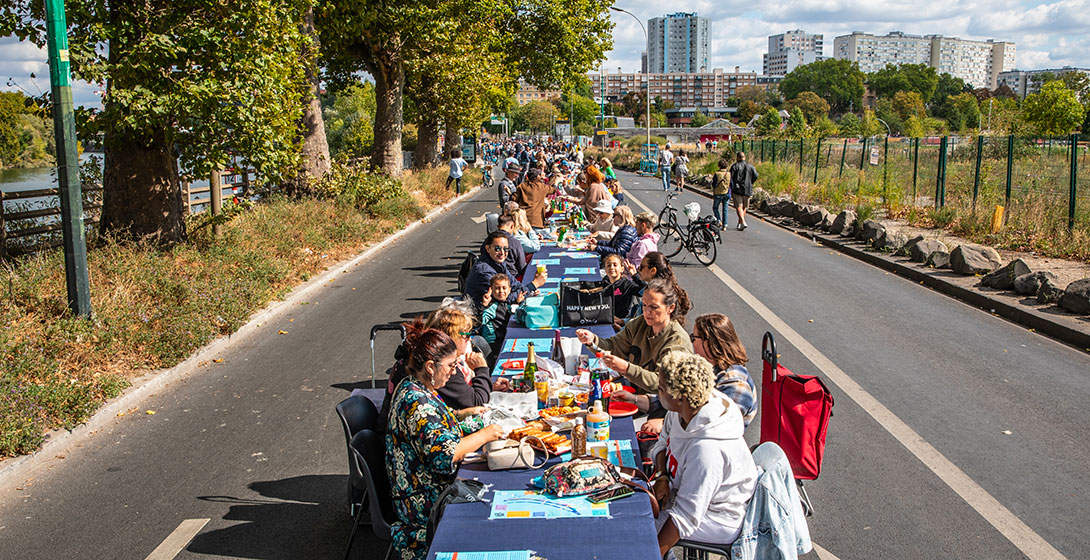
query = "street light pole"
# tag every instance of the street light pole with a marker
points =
(647, 74)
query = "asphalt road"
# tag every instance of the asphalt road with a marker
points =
(253, 443)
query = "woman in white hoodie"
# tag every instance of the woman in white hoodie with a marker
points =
(705, 473)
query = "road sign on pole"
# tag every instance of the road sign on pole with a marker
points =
(64, 129)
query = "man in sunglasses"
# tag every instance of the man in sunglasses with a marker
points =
(516, 257)
(494, 261)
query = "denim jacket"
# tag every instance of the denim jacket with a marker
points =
(774, 526)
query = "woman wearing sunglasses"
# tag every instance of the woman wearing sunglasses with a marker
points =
(424, 442)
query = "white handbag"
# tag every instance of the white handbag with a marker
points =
(506, 454)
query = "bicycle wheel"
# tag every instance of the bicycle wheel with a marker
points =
(703, 246)
(670, 241)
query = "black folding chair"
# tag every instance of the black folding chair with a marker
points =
(368, 448)
(357, 413)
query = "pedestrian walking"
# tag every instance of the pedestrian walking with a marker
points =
(681, 169)
(721, 193)
(457, 167)
(742, 177)
(666, 159)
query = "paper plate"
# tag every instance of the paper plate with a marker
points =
(618, 409)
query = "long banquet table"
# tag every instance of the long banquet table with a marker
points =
(629, 531)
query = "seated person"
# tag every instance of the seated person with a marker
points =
(496, 312)
(623, 288)
(624, 236)
(424, 441)
(706, 472)
(492, 262)
(647, 240)
(603, 227)
(715, 340)
(516, 257)
(524, 232)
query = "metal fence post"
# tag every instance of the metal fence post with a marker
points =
(976, 174)
(915, 166)
(762, 149)
(1010, 171)
(1074, 181)
(863, 154)
(885, 169)
(3, 231)
(940, 177)
(775, 148)
(843, 153)
(802, 150)
(216, 189)
(817, 160)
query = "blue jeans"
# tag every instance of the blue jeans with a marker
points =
(665, 178)
(720, 203)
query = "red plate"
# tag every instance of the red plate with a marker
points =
(514, 364)
(619, 408)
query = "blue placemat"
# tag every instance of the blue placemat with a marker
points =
(541, 345)
(579, 270)
(489, 555)
(546, 261)
(530, 504)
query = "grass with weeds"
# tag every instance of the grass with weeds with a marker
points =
(154, 307)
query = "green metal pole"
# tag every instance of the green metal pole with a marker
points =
(1010, 171)
(976, 174)
(64, 129)
(1074, 180)
(885, 169)
(863, 155)
(775, 148)
(940, 179)
(802, 150)
(817, 160)
(762, 149)
(915, 166)
(843, 153)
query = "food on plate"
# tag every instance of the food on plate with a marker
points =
(554, 443)
(558, 411)
(581, 398)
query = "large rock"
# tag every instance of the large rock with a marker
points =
(813, 216)
(906, 249)
(1076, 297)
(870, 231)
(970, 259)
(844, 220)
(923, 249)
(1049, 292)
(781, 208)
(938, 259)
(1003, 278)
(760, 195)
(1030, 284)
(826, 222)
(891, 241)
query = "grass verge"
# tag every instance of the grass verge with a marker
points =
(155, 307)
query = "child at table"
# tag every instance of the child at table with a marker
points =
(623, 288)
(496, 311)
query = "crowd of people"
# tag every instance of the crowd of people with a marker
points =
(692, 387)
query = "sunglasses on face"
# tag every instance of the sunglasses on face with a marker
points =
(499, 248)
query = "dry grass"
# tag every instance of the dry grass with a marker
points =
(154, 307)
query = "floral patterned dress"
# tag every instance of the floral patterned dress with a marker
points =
(420, 443)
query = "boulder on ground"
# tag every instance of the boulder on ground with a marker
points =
(938, 259)
(759, 195)
(813, 216)
(890, 241)
(1049, 292)
(906, 249)
(870, 231)
(969, 259)
(1076, 297)
(1003, 278)
(843, 220)
(764, 206)
(781, 207)
(826, 222)
(1029, 284)
(923, 249)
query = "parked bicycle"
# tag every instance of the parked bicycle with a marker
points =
(700, 236)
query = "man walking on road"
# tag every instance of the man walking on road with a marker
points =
(742, 177)
(507, 187)
(666, 159)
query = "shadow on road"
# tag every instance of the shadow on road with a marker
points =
(298, 517)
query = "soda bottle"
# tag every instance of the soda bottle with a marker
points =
(595, 386)
(530, 371)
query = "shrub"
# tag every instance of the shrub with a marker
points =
(357, 187)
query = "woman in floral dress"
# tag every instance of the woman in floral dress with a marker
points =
(424, 442)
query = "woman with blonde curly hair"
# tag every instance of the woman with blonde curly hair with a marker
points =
(706, 472)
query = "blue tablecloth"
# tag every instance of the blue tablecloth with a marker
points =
(629, 532)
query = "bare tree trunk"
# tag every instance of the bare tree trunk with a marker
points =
(389, 77)
(427, 138)
(141, 196)
(315, 148)
(451, 140)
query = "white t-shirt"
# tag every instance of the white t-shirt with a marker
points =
(666, 157)
(456, 166)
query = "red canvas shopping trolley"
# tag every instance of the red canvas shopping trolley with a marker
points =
(795, 411)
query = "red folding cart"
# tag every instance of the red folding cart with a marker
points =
(795, 411)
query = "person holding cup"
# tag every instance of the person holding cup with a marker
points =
(494, 261)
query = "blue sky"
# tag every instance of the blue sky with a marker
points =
(1047, 34)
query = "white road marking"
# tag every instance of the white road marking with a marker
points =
(177, 541)
(1009, 525)
(824, 554)
(480, 219)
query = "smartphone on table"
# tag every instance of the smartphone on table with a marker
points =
(610, 494)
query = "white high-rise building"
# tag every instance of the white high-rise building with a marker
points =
(678, 43)
(790, 50)
(1025, 82)
(979, 63)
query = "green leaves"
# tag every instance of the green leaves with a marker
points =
(1054, 110)
(838, 82)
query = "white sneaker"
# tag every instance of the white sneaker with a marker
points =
(742, 226)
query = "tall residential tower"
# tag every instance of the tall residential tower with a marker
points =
(678, 43)
(979, 63)
(790, 50)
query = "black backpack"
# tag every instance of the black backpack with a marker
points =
(461, 491)
(465, 269)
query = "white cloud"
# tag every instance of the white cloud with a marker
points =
(26, 68)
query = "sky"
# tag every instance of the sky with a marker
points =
(1046, 34)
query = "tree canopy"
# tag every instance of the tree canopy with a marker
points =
(919, 78)
(1054, 110)
(812, 106)
(839, 82)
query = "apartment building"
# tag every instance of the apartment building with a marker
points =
(695, 89)
(527, 93)
(678, 42)
(1025, 82)
(790, 50)
(979, 63)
